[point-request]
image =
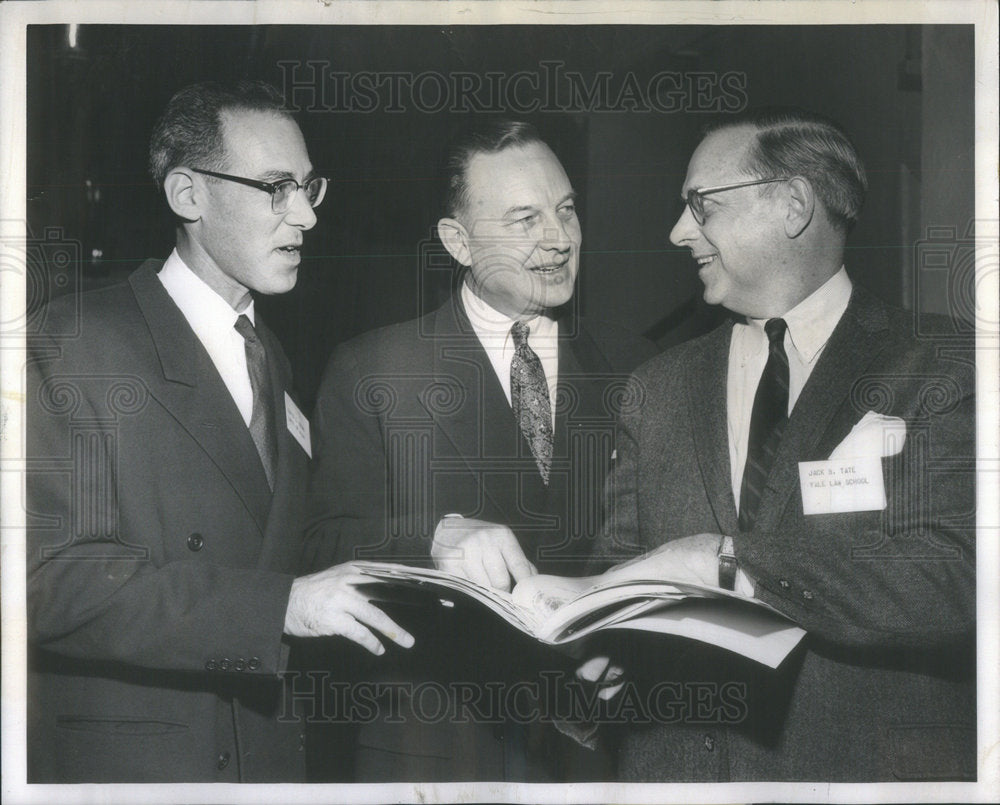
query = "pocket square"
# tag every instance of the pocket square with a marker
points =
(875, 435)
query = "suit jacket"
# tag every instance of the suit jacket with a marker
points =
(411, 424)
(159, 561)
(883, 686)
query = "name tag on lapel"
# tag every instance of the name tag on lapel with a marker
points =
(842, 485)
(298, 425)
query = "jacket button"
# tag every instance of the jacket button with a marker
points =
(210, 665)
(240, 664)
(254, 664)
(196, 542)
(224, 664)
(709, 743)
(784, 584)
(807, 594)
(223, 761)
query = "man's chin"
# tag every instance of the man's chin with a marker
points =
(712, 295)
(279, 282)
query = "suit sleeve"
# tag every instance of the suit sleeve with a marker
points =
(99, 587)
(346, 506)
(903, 577)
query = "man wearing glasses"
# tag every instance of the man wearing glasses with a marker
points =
(818, 456)
(161, 563)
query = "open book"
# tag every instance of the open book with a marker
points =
(559, 609)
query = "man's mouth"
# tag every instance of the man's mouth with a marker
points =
(549, 268)
(704, 260)
(291, 249)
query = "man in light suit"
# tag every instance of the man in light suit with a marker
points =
(715, 478)
(168, 468)
(448, 439)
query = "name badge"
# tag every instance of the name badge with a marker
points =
(298, 425)
(842, 485)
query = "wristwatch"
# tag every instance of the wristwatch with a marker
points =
(727, 564)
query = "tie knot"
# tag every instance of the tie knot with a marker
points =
(245, 328)
(519, 332)
(775, 329)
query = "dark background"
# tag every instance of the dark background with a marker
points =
(905, 93)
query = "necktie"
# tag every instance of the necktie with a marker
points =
(529, 396)
(767, 422)
(262, 416)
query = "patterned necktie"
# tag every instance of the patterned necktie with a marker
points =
(767, 423)
(262, 417)
(529, 396)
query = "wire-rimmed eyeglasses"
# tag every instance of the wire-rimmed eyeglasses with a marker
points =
(695, 198)
(281, 192)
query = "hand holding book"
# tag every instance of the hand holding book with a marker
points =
(483, 552)
(670, 591)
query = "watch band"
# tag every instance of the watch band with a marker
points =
(727, 564)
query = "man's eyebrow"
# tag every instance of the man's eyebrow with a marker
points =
(282, 175)
(570, 196)
(523, 208)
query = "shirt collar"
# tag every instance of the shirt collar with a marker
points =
(491, 324)
(201, 306)
(812, 321)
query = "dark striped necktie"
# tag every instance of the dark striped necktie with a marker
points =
(767, 422)
(529, 397)
(262, 417)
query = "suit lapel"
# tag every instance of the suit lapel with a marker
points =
(584, 374)
(856, 341)
(706, 372)
(481, 431)
(193, 392)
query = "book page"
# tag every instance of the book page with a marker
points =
(750, 631)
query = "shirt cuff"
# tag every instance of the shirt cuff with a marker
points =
(744, 584)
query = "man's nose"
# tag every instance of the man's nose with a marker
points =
(686, 229)
(300, 212)
(555, 236)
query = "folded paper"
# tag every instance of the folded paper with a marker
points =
(875, 435)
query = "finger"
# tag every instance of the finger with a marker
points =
(593, 669)
(496, 569)
(609, 693)
(473, 570)
(370, 615)
(517, 563)
(357, 633)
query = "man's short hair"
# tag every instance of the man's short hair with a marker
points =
(794, 142)
(190, 130)
(490, 138)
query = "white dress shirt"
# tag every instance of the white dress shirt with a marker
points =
(810, 325)
(212, 320)
(493, 330)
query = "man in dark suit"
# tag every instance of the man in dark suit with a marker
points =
(168, 469)
(475, 437)
(816, 454)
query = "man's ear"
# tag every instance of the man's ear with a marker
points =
(455, 240)
(801, 206)
(183, 195)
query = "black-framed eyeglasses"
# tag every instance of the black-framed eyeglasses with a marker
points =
(281, 192)
(695, 198)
